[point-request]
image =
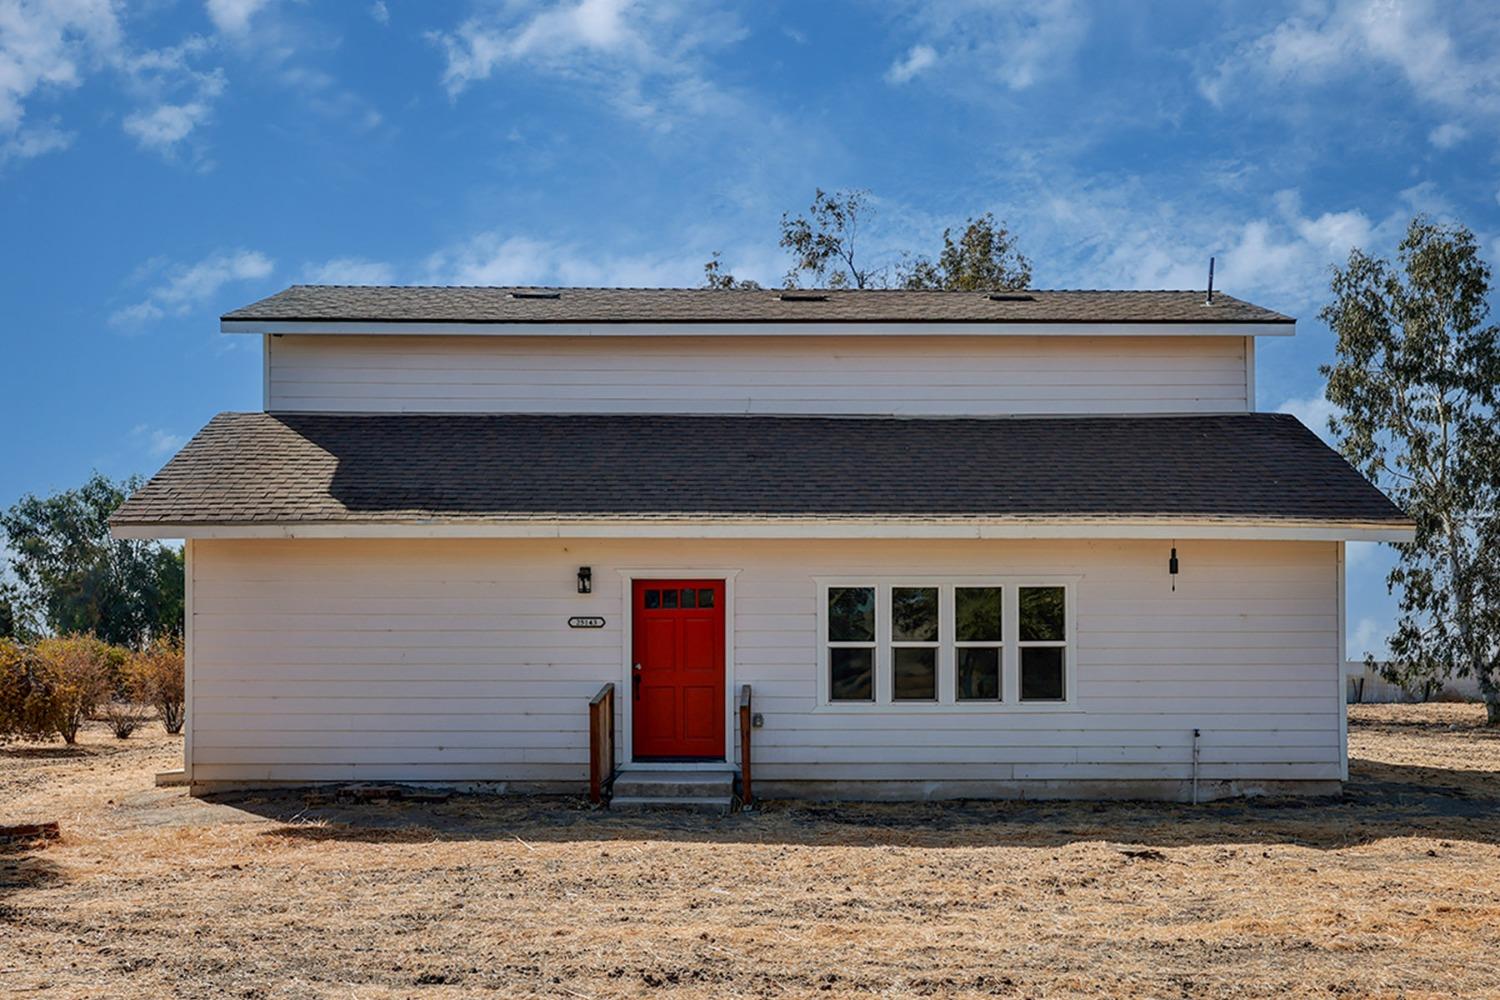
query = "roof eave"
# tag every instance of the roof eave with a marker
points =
(1257, 529)
(364, 327)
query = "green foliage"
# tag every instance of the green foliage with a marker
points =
(71, 576)
(715, 276)
(984, 258)
(1415, 380)
(824, 242)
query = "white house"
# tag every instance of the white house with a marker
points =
(946, 544)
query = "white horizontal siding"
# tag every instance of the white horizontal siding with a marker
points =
(807, 374)
(451, 660)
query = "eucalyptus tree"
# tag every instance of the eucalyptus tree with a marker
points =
(1415, 383)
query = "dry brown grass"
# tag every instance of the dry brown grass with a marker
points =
(1393, 891)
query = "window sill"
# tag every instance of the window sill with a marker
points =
(938, 708)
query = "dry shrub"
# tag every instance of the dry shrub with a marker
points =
(28, 700)
(76, 668)
(125, 716)
(156, 677)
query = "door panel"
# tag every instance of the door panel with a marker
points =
(678, 682)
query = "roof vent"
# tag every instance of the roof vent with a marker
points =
(1012, 297)
(536, 295)
(802, 297)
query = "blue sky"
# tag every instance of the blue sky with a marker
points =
(162, 162)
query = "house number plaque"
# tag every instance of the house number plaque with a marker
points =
(585, 623)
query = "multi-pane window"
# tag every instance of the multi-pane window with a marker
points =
(971, 642)
(914, 643)
(851, 644)
(978, 631)
(1043, 643)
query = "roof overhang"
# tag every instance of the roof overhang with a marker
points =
(376, 327)
(798, 528)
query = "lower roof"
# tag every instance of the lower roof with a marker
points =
(337, 471)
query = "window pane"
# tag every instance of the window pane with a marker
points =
(1042, 614)
(976, 612)
(669, 598)
(978, 674)
(653, 598)
(851, 677)
(851, 614)
(706, 597)
(689, 597)
(914, 674)
(914, 614)
(1042, 673)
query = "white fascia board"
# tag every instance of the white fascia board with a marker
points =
(277, 328)
(797, 529)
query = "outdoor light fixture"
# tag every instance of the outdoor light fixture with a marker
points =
(585, 580)
(1172, 568)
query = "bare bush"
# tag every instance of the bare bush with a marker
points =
(156, 677)
(125, 716)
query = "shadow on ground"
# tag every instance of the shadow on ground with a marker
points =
(1380, 801)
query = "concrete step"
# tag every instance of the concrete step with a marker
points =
(717, 804)
(701, 791)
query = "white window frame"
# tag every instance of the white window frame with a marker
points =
(1064, 644)
(997, 644)
(945, 625)
(947, 701)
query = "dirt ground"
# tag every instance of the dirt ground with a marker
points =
(1391, 891)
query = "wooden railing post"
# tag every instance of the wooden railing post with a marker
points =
(747, 793)
(601, 742)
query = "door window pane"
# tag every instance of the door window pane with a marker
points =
(706, 597)
(852, 675)
(914, 674)
(669, 598)
(1042, 673)
(914, 614)
(979, 673)
(1042, 614)
(851, 614)
(653, 598)
(689, 597)
(976, 614)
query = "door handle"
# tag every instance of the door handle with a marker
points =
(635, 682)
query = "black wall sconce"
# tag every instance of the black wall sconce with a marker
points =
(1172, 568)
(585, 580)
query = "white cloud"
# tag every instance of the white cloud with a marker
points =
(1015, 43)
(33, 140)
(232, 17)
(1370, 637)
(156, 442)
(1447, 135)
(187, 286)
(1313, 411)
(492, 258)
(644, 58)
(163, 127)
(919, 58)
(48, 44)
(1444, 63)
(380, 12)
(349, 271)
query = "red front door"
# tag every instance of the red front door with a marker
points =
(678, 669)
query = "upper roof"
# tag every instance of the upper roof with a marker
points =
(434, 304)
(298, 469)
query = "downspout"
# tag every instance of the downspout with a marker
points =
(1196, 735)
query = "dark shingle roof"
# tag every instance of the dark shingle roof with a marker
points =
(261, 468)
(411, 304)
